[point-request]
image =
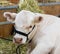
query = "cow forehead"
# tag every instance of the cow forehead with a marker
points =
(24, 17)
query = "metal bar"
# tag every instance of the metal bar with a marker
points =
(3, 23)
(49, 4)
(8, 7)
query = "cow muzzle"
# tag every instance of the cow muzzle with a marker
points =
(17, 40)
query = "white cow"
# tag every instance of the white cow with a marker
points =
(45, 35)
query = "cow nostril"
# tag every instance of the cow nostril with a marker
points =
(20, 39)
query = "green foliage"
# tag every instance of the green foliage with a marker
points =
(23, 48)
(31, 5)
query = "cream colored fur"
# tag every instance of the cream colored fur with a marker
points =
(47, 37)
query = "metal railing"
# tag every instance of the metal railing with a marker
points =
(48, 1)
(3, 23)
(48, 4)
(8, 7)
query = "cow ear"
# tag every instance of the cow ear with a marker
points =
(38, 19)
(10, 16)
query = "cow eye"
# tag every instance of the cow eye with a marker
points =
(30, 26)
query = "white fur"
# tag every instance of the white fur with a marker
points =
(47, 37)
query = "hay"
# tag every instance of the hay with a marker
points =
(31, 5)
(7, 47)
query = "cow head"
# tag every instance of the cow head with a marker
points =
(24, 22)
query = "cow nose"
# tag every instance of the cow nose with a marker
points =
(18, 40)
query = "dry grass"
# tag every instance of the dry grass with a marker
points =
(7, 47)
(31, 5)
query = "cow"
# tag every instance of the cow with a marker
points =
(42, 29)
